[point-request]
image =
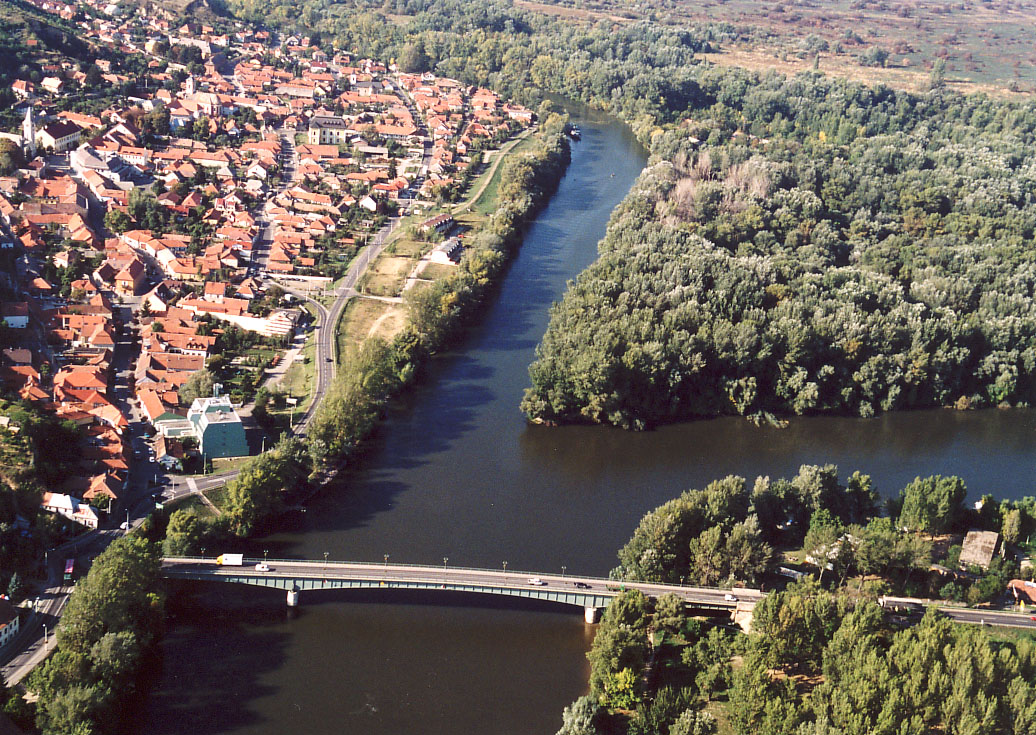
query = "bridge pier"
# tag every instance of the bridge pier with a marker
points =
(293, 597)
(590, 614)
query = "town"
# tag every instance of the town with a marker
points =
(151, 247)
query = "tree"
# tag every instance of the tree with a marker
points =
(581, 717)
(670, 613)
(933, 504)
(93, 76)
(114, 658)
(16, 588)
(629, 609)
(1012, 528)
(117, 221)
(414, 59)
(708, 557)
(184, 534)
(937, 78)
(11, 158)
(71, 712)
(823, 540)
(199, 385)
(200, 129)
(747, 555)
(621, 689)
(694, 722)
(614, 649)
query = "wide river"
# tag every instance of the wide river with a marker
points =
(456, 472)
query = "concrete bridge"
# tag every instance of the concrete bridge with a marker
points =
(590, 593)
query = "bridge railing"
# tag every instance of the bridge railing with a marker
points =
(454, 567)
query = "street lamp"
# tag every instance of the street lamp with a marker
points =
(45, 638)
(505, 567)
(563, 568)
(266, 554)
(386, 559)
(444, 560)
(325, 562)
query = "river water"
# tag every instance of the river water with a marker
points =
(456, 472)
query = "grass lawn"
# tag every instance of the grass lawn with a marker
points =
(406, 247)
(719, 711)
(298, 380)
(435, 271)
(486, 202)
(218, 497)
(192, 504)
(387, 275)
(364, 318)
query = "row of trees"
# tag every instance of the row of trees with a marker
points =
(106, 632)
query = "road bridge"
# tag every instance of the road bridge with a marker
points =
(590, 593)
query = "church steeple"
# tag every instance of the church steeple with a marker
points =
(29, 133)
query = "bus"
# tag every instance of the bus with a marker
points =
(70, 566)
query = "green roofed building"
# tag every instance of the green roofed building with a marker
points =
(217, 427)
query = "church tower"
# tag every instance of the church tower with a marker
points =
(189, 86)
(29, 134)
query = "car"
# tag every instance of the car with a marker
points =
(582, 585)
(124, 525)
(328, 359)
(729, 597)
(536, 581)
(1032, 618)
(261, 567)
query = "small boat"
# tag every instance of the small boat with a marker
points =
(575, 133)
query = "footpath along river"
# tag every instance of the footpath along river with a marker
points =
(456, 472)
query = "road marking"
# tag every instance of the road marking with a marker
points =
(192, 484)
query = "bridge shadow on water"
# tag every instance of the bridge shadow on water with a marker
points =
(437, 599)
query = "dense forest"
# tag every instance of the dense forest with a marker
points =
(822, 657)
(807, 246)
(815, 663)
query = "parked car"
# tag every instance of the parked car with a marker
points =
(537, 582)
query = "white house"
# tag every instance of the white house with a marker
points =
(9, 622)
(71, 508)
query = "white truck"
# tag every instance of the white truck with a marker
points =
(230, 560)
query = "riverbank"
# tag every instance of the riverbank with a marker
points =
(374, 366)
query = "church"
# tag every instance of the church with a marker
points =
(27, 140)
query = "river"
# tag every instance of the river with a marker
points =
(456, 472)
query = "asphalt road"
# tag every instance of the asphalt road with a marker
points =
(436, 575)
(989, 617)
(325, 333)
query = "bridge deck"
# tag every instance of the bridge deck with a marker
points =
(565, 589)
